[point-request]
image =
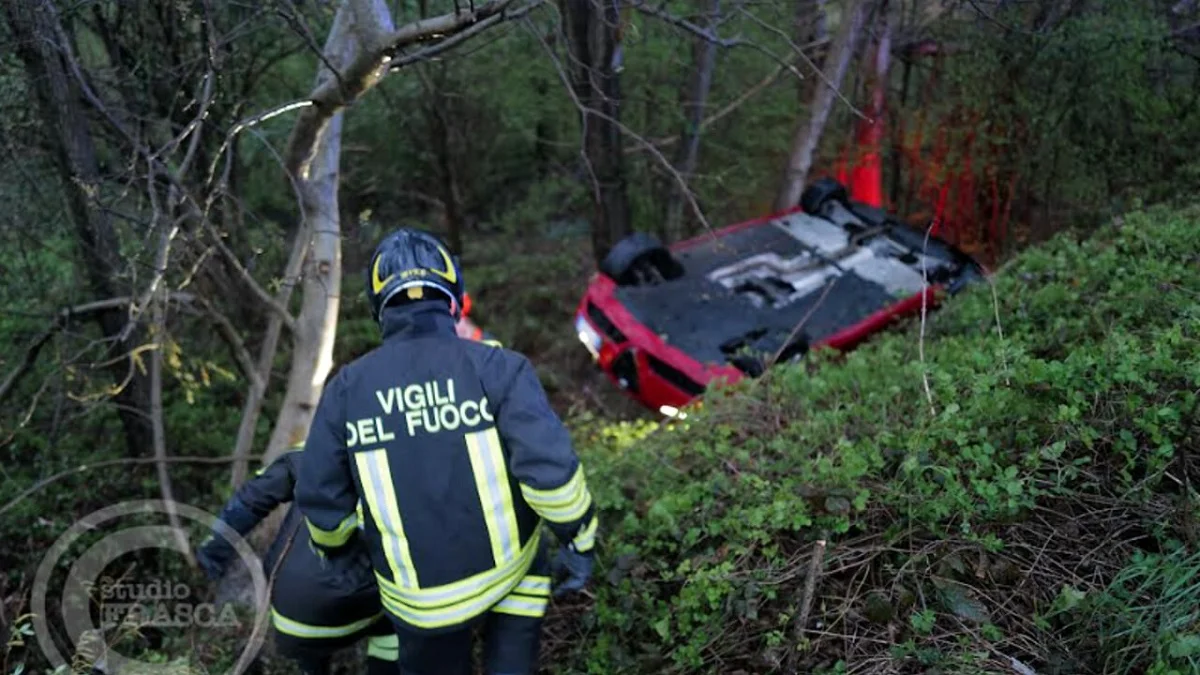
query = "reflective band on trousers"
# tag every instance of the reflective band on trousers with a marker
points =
(304, 630)
(384, 647)
(460, 601)
(529, 598)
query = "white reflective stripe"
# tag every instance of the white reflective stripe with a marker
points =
(586, 539)
(381, 500)
(466, 609)
(565, 514)
(534, 585)
(563, 504)
(455, 614)
(292, 627)
(495, 493)
(522, 605)
(507, 575)
(561, 496)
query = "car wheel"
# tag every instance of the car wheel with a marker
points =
(640, 258)
(816, 196)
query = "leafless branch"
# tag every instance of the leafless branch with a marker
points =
(625, 130)
(803, 56)
(679, 22)
(733, 105)
(125, 461)
(451, 42)
(365, 71)
(59, 321)
(924, 312)
(261, 293)
(233, 340)
(242, 125)
(815, 564)
(159, 430)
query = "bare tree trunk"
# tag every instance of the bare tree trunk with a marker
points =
(435, 110)
(36, 26)
(591, 29)
(811, 27)
(808, 134)
(688, 153)
(316, 325)
(158, 309)
(361, 45)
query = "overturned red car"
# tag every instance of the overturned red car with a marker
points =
(664, 322)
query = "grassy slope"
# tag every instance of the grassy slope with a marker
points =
(984, 522)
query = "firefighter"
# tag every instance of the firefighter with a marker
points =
(458, 460)
(317, 608)
(466, 328)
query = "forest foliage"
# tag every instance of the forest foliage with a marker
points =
(1060, 409)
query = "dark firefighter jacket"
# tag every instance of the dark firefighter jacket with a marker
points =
(459, 459)
(330, 588)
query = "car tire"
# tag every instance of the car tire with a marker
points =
(816, 196)
(626, 256)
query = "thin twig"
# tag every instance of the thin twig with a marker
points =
(158, 429)
(924, 312)
(462, 36)
(815, 564)
(124, 461)
(626, 131)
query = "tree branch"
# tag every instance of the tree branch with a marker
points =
(261, 293)
(679, 22)
(365, 71)
(124, 461)
(159, 428)
(587, 110)
(733, 105)
(459, 38)
(233, 340)
(57, 324)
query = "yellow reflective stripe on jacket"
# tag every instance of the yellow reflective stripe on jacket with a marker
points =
(460, 601)
(586, 539)
(562, 504)
(335, 537)
(376, 476)
(495, 495)
(304, 630)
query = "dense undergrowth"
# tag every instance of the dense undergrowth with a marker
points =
(1024, 491)
(1013, 490)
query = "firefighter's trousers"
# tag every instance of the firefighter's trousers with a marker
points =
(315, 614)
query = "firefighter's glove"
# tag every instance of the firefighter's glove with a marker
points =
(215, 554)
(573, 568)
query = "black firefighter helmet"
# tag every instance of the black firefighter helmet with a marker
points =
(417, 264)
